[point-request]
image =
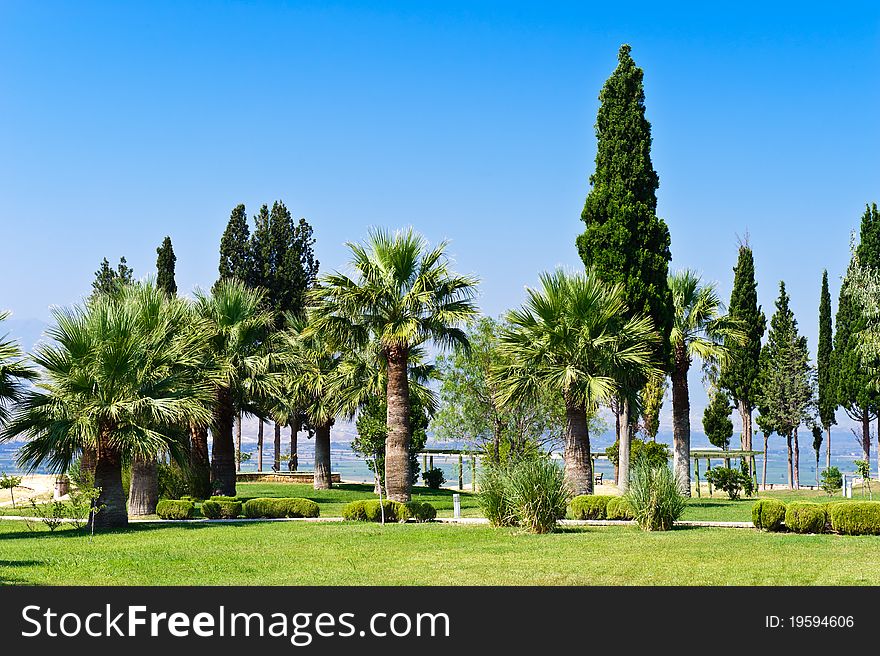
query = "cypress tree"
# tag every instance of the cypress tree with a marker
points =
(107, 279)
(165, 267)
(740, 371)
(235, 261)
(827, 401)
(624, 241)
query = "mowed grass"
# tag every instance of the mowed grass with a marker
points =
(295, 553)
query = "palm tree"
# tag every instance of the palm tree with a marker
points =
(121, 379)
(572, 337)
(699, 330)
(402, 294)
(237, 333)
(15, 373)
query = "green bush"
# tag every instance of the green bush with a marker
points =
(655, 453)
(222, 498)
(803, 517)
(729, 480)
(492, 498)
(589, 506)
(434, 478)
(856, 518)
(169, 509)
(173, 481)
(421, 511)
(832, 480)
(221, 509)
(368, 510)
(538, 494)
(618, 508)
(654, 496)
(283, 507)
(768, 514)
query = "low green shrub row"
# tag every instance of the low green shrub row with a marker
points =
(168, 509)
(222, 498)
(369, 510)
(283, 507)
(589, 506)
(846, 518)
(618, 508)
(221, 509)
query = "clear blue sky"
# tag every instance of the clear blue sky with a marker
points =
(470, 121)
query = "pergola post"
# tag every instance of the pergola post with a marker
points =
(697, 474)
(708, 467)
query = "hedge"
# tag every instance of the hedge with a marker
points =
(221, 509)
(367, 510)
(168, 509)
(804, 517)
(768, 514)
(421, 511)
(284, 507)
(856, 518)
(222, 498)
(618, 508)
(589, 506)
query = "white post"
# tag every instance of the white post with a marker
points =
(843, 490)
(456, 506)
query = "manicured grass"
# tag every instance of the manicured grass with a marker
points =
(431, 554)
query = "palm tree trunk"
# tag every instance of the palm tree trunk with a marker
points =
(764, 464)
(108, 478)
(200, 463)
(624, 446)
(238, 442)
(223, 448)
(681, 421)
(797, 459)
(398, 478)
(143, 495)
(790, 470)
(277, 446)
(578, 463)
(260, 447)
(87, 462)
(322, 457)
(293, 463)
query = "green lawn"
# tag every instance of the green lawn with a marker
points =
(431, 554)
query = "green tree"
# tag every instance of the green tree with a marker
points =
(15, 373)
(651, 402)
(120, 377)
(236, 326)
(402, 295)
(700, 330)
(108, 280)
(716, 421)
(574, 336)
(469, 400)
(624, 241)
(786, 381)
(827, 400)
(165, 262)
(740, 369)
(235, 256)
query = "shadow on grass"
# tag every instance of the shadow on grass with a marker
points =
(71, 533)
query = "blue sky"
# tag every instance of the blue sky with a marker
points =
(474, 121)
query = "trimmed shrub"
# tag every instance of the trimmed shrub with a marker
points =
(768, 514)
(368, 510)
(283, 507)
(168, 509)
(589, 506)
(856, 518)
(654, 496)
(221, 509)
(434, 478)
(421, 511)
(222, 498)
(618, 508)
(803, 517)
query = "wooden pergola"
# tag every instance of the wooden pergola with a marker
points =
(721, 454)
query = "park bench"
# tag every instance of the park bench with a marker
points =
(599, 478)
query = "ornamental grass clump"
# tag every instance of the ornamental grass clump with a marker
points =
(654, 497)
(530, 493)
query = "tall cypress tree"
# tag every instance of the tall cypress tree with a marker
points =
(827, 401)
(740, 371)
(716, 421)
(624, 241)
(165, 267)
(235, 260)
